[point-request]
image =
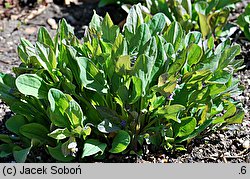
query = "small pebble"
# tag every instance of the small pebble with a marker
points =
(52, 23)
(221, 136)
(30, 30)
(246, 144)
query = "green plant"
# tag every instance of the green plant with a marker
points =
(244, 21)
(213, 16)
(149, 84)
(208, 16)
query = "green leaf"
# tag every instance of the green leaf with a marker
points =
(120, 47)
(123, 65)
(178, 64)
(108, 113)
(22, 54)
(33, 85)
(103, 3)
(174, 35)
(210, 42)
(20, 156)
(57, 154)
(86, 131)
(236, 119)
(35, 131)
(143, 69)
(231, 110)
(96, 22)
(222, 4)
(74, 113)
(89, 76)
(228, 55)
(220, 77)
(6, 150)
(194, 54)
(120, 142)
(109, 30)
(46, 57)
(31, 112)
(201, 7)
(58, 105)
(171, 112)
(133, 21)
(217, 20)
(5, 138)
(136, 91)
(141, 37)
(193, 37)
(186, 127)
(197, 76)
(60, 134)
(8, 89)
(69, 148)
(44, 37)
(93, 146)
(65, 29)
(14, 123)
(158, 23)
(156, 102)
(107, 127)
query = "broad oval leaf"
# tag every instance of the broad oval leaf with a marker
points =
(107, 127)
(33, 85)
(14, 123)
(93, 146)
(141, 37)
(109, 30)
(171, 111)
(228, 55)
(5, 138)
(65, 111)
(186, 127)
(174, 35)
(158, 23)
(36, 131)
(194, 54)
(120, 142)
(60, 134)
(58, 106)
(56, 153)
(133, 21)
(90, 76)
(43, 36)
(20, 156)
(236, 119)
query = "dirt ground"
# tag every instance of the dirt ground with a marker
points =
(223, 146)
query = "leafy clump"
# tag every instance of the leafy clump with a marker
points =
(210, 17)
(244, 21)
(118, 90)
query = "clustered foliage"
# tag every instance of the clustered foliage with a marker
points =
(210, 17)
(115, 91)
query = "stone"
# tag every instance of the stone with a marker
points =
(246, 144)
(30, 30)
(52, 23)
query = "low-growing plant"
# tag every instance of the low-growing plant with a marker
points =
(210, 17)
(116, 91)
(244, 21)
